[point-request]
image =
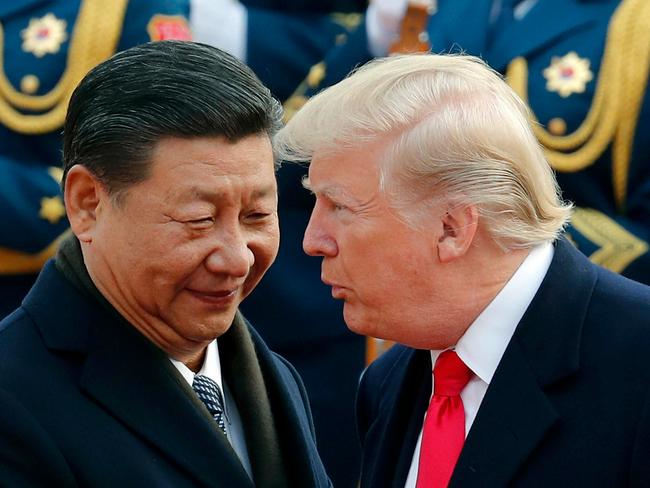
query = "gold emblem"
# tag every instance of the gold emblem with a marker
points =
(52, 209)
(44, 36)
(568, 74)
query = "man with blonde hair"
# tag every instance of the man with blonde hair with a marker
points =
(440, 224)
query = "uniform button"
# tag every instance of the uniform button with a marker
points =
(557, 126)
(29, 84)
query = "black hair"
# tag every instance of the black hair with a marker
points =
(124, 106)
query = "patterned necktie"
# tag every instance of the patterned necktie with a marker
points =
(209, 393)
(443, 433)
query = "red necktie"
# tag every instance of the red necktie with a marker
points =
(443, 433)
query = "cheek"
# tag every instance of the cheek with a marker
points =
(167, 264)
(265, 249)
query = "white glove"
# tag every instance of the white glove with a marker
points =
(220, 23)
(383, 21)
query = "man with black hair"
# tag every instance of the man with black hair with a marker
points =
(128, 363)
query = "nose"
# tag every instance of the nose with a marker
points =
(318, 241)
(231, 255)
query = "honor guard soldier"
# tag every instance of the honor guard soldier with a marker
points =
(582, 67)
(47, 47)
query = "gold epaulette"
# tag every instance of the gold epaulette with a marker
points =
(95, 37)
(614, 112)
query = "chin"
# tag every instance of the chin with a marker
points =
(206, 329)
(359, 326)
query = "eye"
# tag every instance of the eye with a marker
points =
(202, 223)
(338, 207)
(257, 216)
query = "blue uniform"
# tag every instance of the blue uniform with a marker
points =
(47, 47)
(582, 66)
(283, 44)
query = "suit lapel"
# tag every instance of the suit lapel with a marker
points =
(513, 419)
(137, 384)
(516, 413)
(393, 433)
(547, 21)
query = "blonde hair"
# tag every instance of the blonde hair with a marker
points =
(454, 130)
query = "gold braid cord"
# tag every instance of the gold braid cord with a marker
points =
(96, 33)
(614, 111)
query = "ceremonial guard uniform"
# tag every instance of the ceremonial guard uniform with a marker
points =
(47, 47)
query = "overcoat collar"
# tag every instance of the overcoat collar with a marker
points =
(133, 380)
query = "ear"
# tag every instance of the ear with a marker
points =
(83, 196)
(459, 228)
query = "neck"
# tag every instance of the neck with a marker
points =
(472, 283)
(196, 362)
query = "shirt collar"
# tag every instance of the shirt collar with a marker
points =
(482, 345)
(211, 366)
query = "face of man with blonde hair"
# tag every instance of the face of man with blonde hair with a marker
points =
(390, 275)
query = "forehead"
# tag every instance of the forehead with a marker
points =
(204, 161)
(344, 171)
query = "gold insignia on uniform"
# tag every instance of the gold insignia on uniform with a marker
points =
(568, 74)
(316, 75)
(617, 247)
(29, 84)
(52, 209)
(44, 36)
(164, 27)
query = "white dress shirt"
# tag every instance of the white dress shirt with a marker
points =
(484, 342)
(234, 427)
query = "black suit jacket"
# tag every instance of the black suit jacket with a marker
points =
(568, 405)
(85, 400)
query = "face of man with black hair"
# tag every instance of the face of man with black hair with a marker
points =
(179, 251)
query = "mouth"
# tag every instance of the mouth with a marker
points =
(215, 297)
(337, 290)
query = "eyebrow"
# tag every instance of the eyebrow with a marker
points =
(208, 194)
(329, 191)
